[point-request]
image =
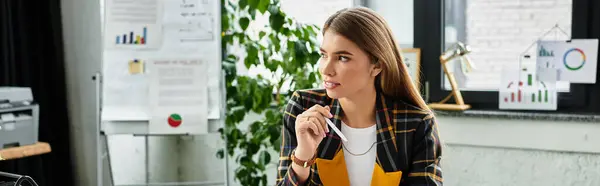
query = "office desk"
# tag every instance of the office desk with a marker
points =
(25, 151)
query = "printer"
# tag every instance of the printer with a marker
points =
(19, 117)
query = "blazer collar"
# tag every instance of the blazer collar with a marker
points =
(386, 144)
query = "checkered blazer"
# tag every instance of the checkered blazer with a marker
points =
(407, 139)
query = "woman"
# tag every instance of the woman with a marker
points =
(368, 95)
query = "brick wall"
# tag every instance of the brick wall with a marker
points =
(500, 30)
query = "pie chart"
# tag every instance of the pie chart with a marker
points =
(174, 120)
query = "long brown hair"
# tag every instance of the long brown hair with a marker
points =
(372, 34)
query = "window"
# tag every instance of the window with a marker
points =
(498, 32)
(399, 16)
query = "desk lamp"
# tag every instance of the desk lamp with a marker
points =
(459, 50)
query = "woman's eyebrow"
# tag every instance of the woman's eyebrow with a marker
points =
(337, 52)
(343, 52)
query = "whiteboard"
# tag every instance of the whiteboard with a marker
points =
(136, 32)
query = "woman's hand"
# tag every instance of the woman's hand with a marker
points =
(311, 128)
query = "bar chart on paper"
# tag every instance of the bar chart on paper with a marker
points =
(133, 24)
(539, 96)
(523, 91)
(132, 38)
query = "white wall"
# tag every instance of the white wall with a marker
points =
(476, 165)
(527, 134)
(81, 26)
(519, 152)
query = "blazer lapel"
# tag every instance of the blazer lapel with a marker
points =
(330, 162)
(387, 151)
(332, 144)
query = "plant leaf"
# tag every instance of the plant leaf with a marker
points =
(248, 62)
(276, 21)
(274, 135)
(273, 9)
(269, 114)
(298, 33)
(252, 12)
(256, 180)
(264, 180)
(264, 158)
(220, 154)
(224, 23)
(277, 144)
(271, 65)
(232, 57)
(312, 77)
(241, 37)
(252, 148)
(243, 4)
(261, 34)
(252, 56)
(245, 161)
(253, 4)
(263, 5)
(286, 32)
(244, 22)
(275, 41)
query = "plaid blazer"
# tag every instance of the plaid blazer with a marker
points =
(407, 139)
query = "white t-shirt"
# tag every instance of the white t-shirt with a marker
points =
(360, 168)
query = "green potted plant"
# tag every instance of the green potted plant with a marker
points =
(290, 51)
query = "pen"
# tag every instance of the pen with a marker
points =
(336, 130)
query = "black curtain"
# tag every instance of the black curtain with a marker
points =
(586, 24)
(31, 55)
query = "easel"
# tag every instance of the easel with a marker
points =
(138, 128)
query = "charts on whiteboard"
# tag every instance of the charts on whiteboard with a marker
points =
(132, 24)
(521, 90)
(178, 96)
(190, 29)
(190, 21)
(139, 32)
(575, 60)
